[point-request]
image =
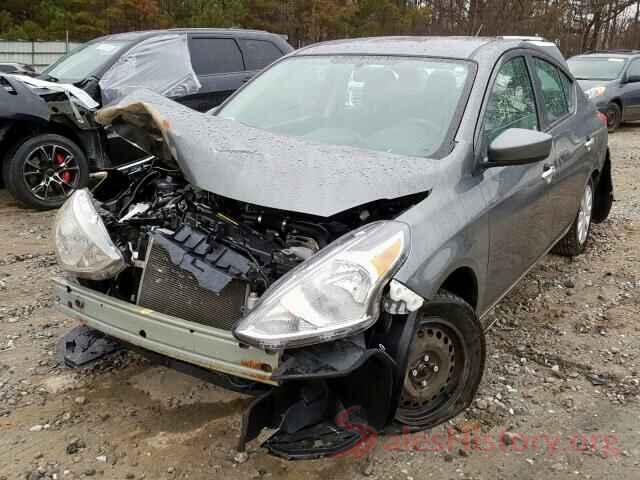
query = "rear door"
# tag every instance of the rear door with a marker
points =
(258, 53)
(572, 140)
(218, 62)
(520, 214)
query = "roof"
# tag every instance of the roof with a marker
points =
(138, 35)
(445, 47)
(452, 47)
(612, 54)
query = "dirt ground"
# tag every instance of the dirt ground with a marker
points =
(559, 398)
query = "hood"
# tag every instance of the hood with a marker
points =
(276, 171)
(587, 84)
(19, 102)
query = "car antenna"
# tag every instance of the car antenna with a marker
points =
(479, 29)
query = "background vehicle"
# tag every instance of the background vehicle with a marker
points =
(17, 68)
(49, 143)
(388, 198)
(611, 79)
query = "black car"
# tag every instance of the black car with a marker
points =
(50, 144)
(17, 68)
(611, 79)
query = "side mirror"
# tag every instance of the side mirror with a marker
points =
(633, 79)
(518, 146)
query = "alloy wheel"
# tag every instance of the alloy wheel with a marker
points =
(613, 118)
(584, 214)
(51, 172)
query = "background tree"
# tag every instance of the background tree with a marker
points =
(577, 25)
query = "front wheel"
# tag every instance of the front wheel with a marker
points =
(614, 117)
(574, 241)
(44, 170)
(444, 364)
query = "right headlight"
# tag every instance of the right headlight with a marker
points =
(83, 245)
(334, 294)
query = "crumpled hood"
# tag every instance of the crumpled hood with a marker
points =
(44, 87)
(276, 171)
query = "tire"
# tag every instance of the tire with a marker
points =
(575, 240)
(42, 171)
(447, 335)
(603, 196)
(614, 116)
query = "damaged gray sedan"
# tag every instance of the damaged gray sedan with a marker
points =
(332, 236)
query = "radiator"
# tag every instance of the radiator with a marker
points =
(168, 289)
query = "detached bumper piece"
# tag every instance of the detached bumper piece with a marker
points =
(324, 400)
(333, 396)
(82, 346)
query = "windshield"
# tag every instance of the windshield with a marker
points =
(85, 60)
(393, 104)
(596, 68)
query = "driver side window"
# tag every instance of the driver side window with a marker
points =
(511, 104)
(634, 69)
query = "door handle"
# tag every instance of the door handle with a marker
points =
(589, 143)
(548, 172)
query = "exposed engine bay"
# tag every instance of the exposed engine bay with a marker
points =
(217, 239)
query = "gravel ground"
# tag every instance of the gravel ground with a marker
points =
(559, 398)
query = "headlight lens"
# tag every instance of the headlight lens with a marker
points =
(595, 92)
(335, 293)
(83, 246)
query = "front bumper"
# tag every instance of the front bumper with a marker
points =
(200, 345)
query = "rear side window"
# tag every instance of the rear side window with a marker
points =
(259, 53)
(569, 91)
(511, 104)
(554, 102)
(215, 55)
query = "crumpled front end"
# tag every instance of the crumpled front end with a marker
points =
(253, 297)
(301, 303)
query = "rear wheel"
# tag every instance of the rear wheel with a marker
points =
(44, 170)
(614, 116)
(444, 365)
(574, 241)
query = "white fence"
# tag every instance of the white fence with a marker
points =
(38, 54)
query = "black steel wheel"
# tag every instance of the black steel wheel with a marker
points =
(444, 364)
(44, 170)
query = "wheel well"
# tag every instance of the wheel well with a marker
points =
(20, 130)
(463, 283)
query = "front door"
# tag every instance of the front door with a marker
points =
(520, 214)
(630, 92)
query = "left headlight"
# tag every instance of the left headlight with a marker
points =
(594, 92)
(83, 245)
(334, 294)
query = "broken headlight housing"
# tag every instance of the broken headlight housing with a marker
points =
(334, 294)
(83, 245)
